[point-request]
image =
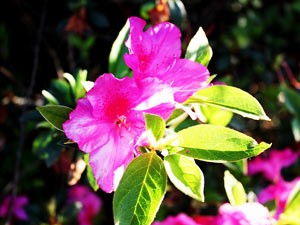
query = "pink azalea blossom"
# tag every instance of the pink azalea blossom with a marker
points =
(206, 220)
(279, 192)
(90, 203)
(107, 121)
(18, 207)
(245, 214)
(180, 219)
(155, 54)
(271, 166)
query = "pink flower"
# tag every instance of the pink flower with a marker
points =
(18, 207)
(107, 121)
(155, 54)
(180, 219)
(272, 165)
(90, 203)
(279, 192)
(206, 220)
(246, 214)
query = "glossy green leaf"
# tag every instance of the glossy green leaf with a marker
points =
(79, 88)
(185, 175)
(89, 173)
(234, 189)
(232, 99)
(56, 115)
(156, 125)
(198, 49)
(46, 147)
(216, 144)
(116, 62)
(141, 191)
(296, 129)
(291, 214)
(216, 116)
(70, 79)
(291, 100)
(49, 97)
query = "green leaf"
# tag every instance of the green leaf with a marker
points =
(89, 173)
(216, 144)
(240, 166)
(234, 189)
(70, 79)
(156, 125)
(79, 88)
(185, 175)
(216, 116)
(46, 147)
(296, 129)
(50, 98)
(141, 191)
(56, 115)
(116, 62)
(291, 214)
(291, 100)
(232, 99)
(198, 49)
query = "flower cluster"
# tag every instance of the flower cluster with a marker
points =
(271, 168)
(18, 207)
(108, 121)
(248, 213)
(89, 203)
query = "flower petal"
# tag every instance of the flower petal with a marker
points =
(109, 162)
(153, 49)
(84, 129)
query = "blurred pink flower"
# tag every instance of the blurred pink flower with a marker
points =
(107, 121)
(90, 203)
(180, 219)
(206, 220)
(18, 207)
(246, 214)
(279, 192)
(271, 166)
(155, 54)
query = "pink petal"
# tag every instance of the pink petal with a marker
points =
(156, 53)
(152, 48)
(111, 97)
(271, 166)
(186, 77)
(109, 162)
(84, 129)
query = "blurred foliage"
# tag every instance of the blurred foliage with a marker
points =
(254, 45)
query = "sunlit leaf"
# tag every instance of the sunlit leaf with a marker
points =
(156, 125)
(71, 80)
(89, 174)
(291, 100)
(216, 116)
(185, 175)
(198, 49)
(232, 99)
(291, 213)
(216, 144)
(79, 89)
(56, 115)
(140, 191)
(116, 64)
(50, 98)
(296, 129)
(234, 189)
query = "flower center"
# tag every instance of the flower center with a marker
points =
(121, 122)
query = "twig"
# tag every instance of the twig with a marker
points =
(25, 106)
